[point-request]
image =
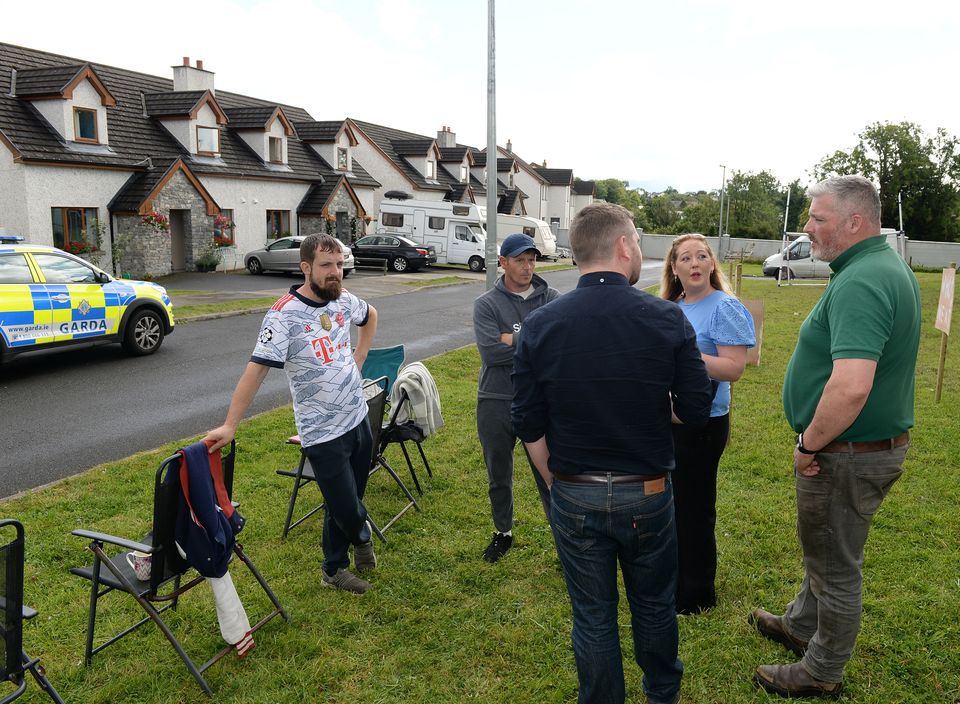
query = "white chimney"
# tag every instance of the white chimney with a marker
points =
(186, 77)
(446, 139)
(509, 146)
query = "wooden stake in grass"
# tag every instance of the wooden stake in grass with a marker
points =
(942, 323)
(738, 279)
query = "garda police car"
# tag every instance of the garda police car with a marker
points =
(49, 298)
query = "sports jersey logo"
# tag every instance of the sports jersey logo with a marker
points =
(325, 322)
(340, 318)
(324, 348)
(266, 335)
(307, 328)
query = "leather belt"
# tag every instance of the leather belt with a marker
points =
(652, 484)
(869, 446)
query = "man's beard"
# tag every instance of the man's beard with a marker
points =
(330, 291)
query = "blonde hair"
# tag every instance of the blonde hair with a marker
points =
(670, 286)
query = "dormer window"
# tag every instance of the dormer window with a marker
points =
(208, 140)
(341, 158)
(276, 150)
(431, 169)
(464, 173)
(85, 125)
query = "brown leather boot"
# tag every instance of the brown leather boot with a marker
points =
(771, 627)
(794, 681)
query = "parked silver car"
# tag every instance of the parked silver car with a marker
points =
(284, 255)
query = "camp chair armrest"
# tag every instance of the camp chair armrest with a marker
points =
(113, 540)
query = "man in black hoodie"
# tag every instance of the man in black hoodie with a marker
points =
(497, 317)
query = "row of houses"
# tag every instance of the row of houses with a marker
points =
(145, 171)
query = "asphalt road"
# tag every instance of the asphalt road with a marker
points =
(63, 413)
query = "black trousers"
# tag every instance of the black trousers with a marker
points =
(697, 451)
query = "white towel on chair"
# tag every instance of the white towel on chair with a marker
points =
(424, 406)
(231, 615)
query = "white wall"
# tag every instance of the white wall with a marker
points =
(559, 205)
(250, 199)
(59, 112)
(13, 195)
(49, 187)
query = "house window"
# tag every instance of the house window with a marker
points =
(435, 223)
(73, 228)
(278, 223)
(463, 173)
(208, 140)
(228, 228)
(431, 173)
(341, 158)
(85, 125)
(511, 180)
(392, 219)
(276, 150)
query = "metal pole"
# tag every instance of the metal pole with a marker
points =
(726, 227)
(723, 184)
(492, 246)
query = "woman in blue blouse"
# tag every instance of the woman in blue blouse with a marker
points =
(693, 280)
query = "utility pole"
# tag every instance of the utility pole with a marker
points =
(492, 246)
(723, 185)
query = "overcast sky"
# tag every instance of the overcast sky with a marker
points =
(655, 93)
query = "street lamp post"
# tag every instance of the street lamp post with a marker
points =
(723, 184)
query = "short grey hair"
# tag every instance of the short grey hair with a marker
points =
(853, 194)
(595, 230)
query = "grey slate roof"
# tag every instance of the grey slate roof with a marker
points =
(459, 193)
(556, 177)
(412, 147)
(523, 165)
(324, 131)
(173, 103)
(133, 137)
(453, 153)
(584, 188)
(358, 176)
(46, 81)
(508, 200)
(384, 137)
(138, 187)
(252, 118)
(317, 197)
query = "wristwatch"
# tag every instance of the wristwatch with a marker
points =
(801, 449)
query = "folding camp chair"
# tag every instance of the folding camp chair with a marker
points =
(376, 394)
(383, 361)
(14, 661)
(164, 587)
(401, 433)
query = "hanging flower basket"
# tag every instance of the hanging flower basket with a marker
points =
(223, 241)
(157, 220)
(222, 222)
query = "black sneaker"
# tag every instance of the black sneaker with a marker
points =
(498, 547)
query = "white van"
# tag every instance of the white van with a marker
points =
(797, 260)
(539, 230)
(455, 230)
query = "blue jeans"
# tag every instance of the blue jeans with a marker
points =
(341, 467)
(594, 527)
(834, 511)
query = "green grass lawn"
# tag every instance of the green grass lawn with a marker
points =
(441, 625)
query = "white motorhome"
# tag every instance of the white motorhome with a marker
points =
(539, 230)
(455, 230)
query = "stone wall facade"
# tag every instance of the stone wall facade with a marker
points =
(149, 254)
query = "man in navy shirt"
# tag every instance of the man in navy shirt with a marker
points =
(595, 372)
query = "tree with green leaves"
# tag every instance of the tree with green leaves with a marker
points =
(903, 160)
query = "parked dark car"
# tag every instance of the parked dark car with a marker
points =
(401, 254)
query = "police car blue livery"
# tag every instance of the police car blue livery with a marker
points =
(49, 298)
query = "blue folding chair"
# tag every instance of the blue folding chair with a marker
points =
(383, 361)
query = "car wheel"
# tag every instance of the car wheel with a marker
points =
(785, 274)
(475, 264)
(399, 264)
(144, 333)
(347, 272)
(254, 266)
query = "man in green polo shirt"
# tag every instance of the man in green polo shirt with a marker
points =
(848, 393)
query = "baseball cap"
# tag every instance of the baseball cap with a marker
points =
(516, 244)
